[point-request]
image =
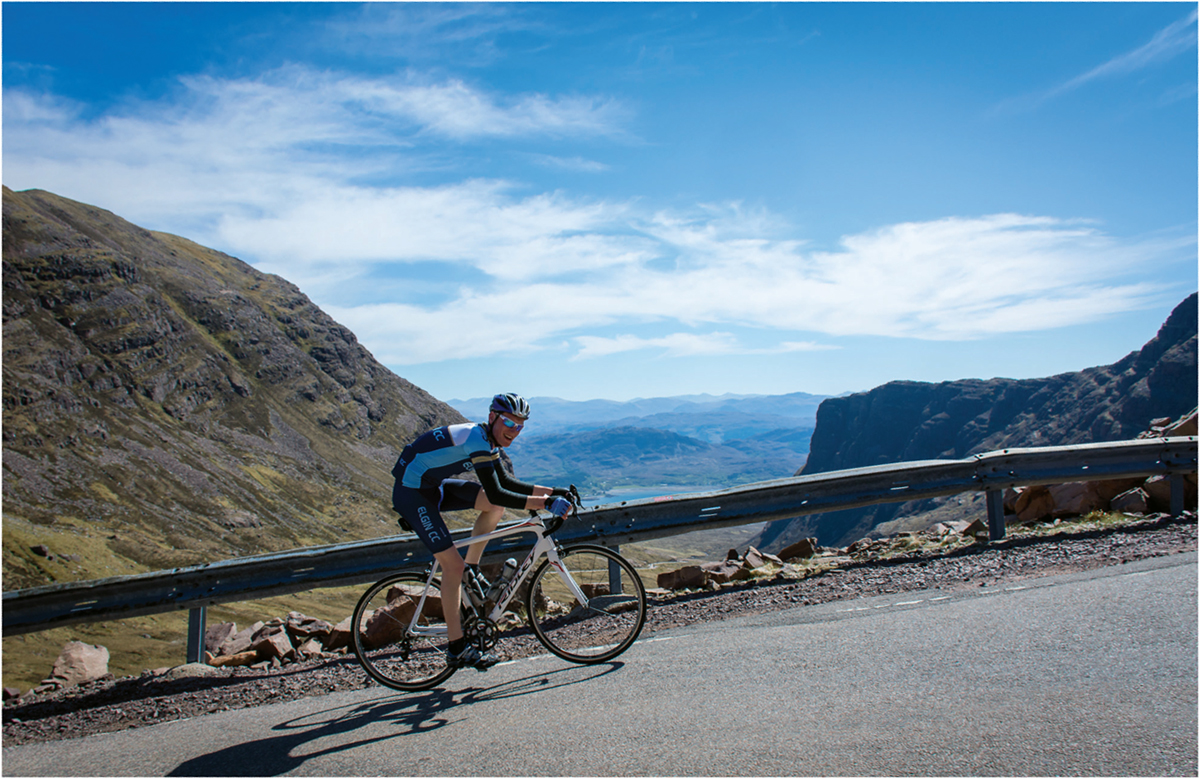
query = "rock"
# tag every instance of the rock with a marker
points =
(387, 624)
(241, 658)
(1134, 501)
(1158, 493)
(1034, 503)
(1075, 499)
(11, 693)
(190, 671)
(687, 578)
(79, 662)
(341, 635)
(240, 641)
(302, 628)
(1185, 426)
(42, 551)
(1111, 488)
(978, 527)
(724, 571)
(272, 642)
(216, 635)
(312, 648)
(802, 549)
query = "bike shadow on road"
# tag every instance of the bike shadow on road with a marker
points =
(409, 714)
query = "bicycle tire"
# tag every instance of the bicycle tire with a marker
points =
(383, 641)
(596, 631)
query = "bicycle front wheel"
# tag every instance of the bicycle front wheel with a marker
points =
(400, 633)
(588, 608)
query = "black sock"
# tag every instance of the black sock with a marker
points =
(458, 645)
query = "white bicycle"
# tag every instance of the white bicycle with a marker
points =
(585, 603)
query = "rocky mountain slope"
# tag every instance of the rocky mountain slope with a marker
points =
(166, 404)
(906, 420)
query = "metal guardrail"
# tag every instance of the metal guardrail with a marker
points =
(261, 576)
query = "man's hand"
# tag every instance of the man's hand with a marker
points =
(559, 507)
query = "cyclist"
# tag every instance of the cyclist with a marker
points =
(423, 490)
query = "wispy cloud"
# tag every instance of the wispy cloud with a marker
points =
(311, 175)
(1172, 40)
(1169, 42)
(949, 279)
(246, 148)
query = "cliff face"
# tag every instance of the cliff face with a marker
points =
(905, 420)
(166, 404)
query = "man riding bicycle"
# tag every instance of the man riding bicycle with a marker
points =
(423, 490)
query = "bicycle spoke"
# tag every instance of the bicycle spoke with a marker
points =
(398, 647)
(601, 627)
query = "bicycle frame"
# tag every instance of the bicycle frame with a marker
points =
(545, 545)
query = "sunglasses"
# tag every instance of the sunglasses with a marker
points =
(511, 425)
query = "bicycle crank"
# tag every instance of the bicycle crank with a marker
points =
(481, 631)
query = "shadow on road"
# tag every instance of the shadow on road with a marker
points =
(408, 713)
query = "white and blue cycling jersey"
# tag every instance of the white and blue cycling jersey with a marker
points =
(429, 462)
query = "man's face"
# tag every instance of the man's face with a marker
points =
(506, 428)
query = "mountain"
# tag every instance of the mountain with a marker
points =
(692, 440)
(735, 416)
(906, 420)
(597, 460)
(166, 404)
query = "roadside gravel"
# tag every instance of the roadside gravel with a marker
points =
(116, 704)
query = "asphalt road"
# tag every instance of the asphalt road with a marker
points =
(1088, 674)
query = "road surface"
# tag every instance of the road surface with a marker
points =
(1085, 674)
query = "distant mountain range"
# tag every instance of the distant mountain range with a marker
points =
(697, 440)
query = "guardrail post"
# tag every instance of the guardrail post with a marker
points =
(995, 510)
(195, 643)
(1176, 494)
(614, 574)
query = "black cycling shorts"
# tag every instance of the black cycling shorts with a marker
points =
(422, 509)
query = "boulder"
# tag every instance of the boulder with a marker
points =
(1111, 488)
(239, 642)
(1186, 425)
(241, 658)
(79, 662)
(724, 571)
(1034, 503)
(387, 624)
(1075, 499)
(190, 671)
(1134, 501)
(301, 628)
(216, 635)
(341, 635)
(272, 642)
(687, 578)
(1158, 493)
(802, 549)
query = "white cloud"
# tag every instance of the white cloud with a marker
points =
(285, 171)
(258, 147)
(949, 279)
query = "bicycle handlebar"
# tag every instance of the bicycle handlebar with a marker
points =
(555, 522)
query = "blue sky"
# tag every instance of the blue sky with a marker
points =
(594, 200)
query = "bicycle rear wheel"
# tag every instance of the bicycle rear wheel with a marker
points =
(399, 647)
(608, 619)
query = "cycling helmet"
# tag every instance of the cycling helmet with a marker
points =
(511, 403)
